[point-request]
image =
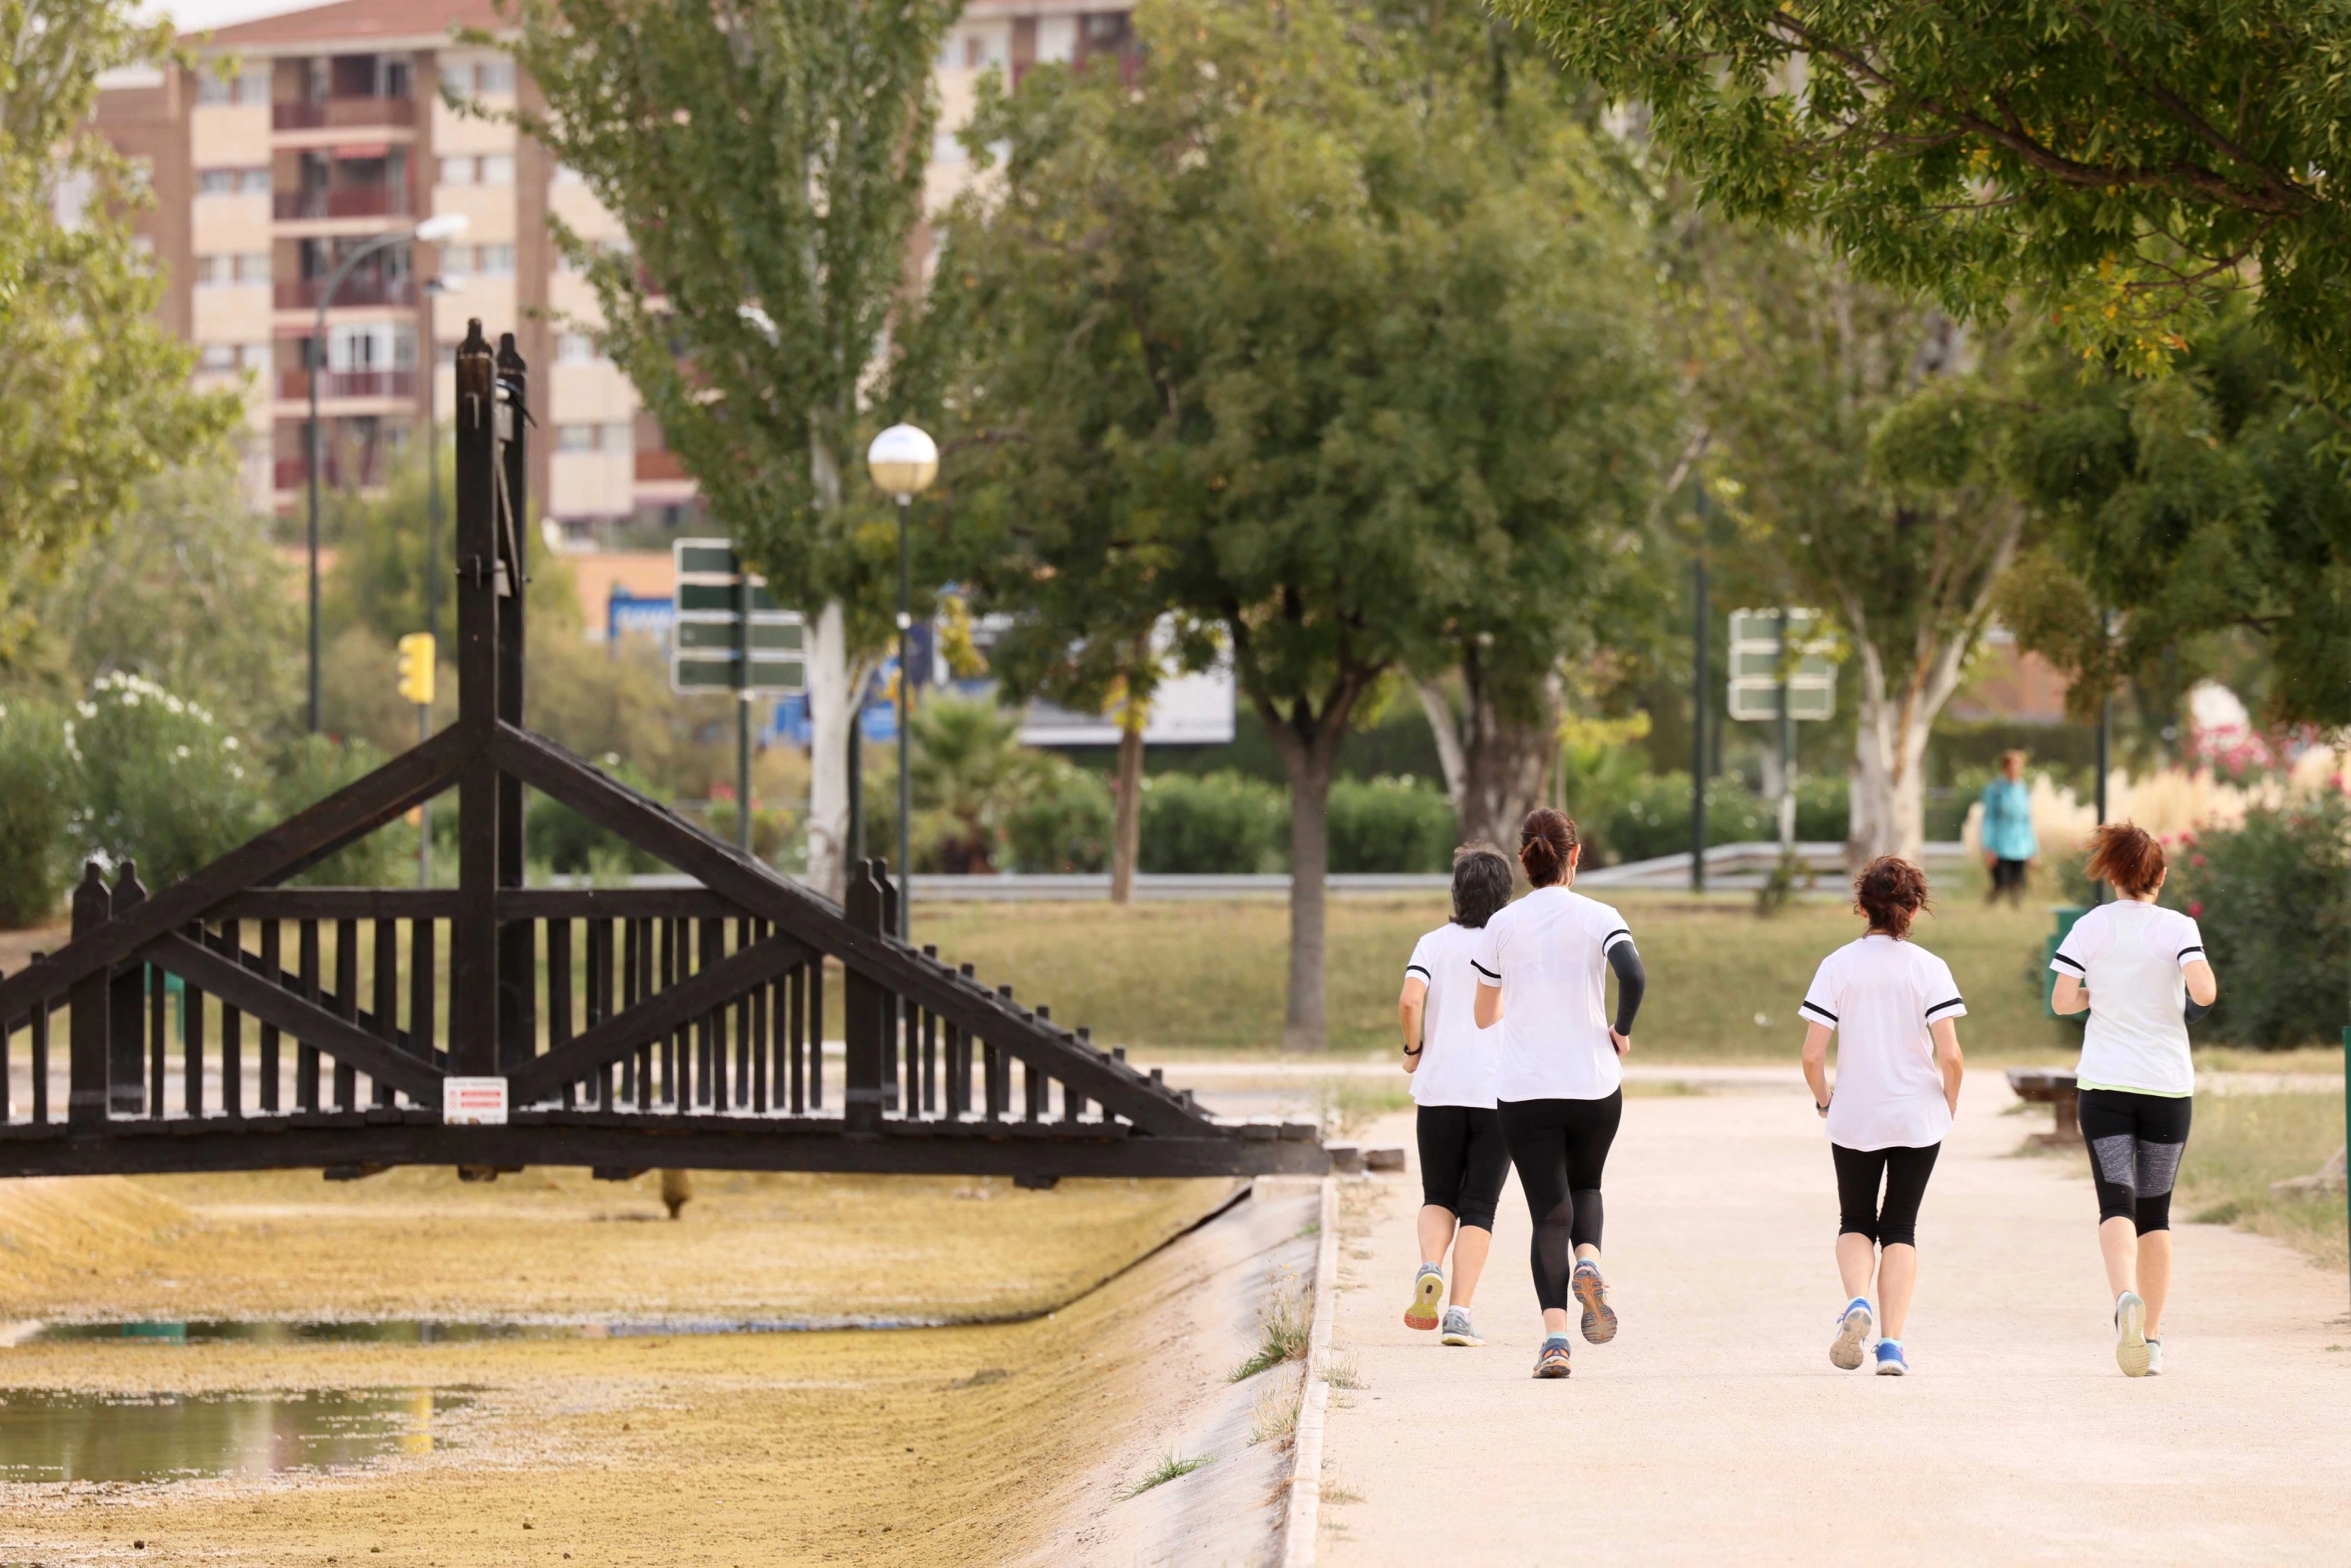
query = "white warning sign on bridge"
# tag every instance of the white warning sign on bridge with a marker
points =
(474, 1101)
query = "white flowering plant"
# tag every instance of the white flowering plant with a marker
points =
(162, 781)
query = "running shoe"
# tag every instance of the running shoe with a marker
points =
(2155, 1358)
(1458, 1329)
(1552, 1362)
(2130, 1334)
(1599, 1317)
(1890, 1359)
(1852, 1331)
(1427, 1292)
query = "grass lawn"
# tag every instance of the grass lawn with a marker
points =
(2241, 1143)
(1723, 982)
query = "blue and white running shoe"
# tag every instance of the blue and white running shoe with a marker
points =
(1852, 1331)
(1890, 1359)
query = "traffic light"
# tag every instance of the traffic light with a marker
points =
(417, 668)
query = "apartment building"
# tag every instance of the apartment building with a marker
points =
(333, 132)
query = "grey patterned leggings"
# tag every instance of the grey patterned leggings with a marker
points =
(2136, 1142)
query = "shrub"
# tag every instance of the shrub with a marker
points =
(38, 781)
(2270, 899)
(1063, 821)
(1213, 822)
(307, 770)
(772, 827)
(1651, 817)
(1390, 825)
(164, 783)
(561, 838)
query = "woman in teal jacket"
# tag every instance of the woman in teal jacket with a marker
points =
(2009, 845)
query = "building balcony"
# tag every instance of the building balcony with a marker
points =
(294, 474)
(654, 468)
(293, 385)
(342, 113)
(346, 202)
(357, 292)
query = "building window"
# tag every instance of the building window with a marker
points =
(575, 348)
(946, 149)
(253, 267)
(621, 436)
(491, 169)
(244, 269)
(478, 261)
(497, 169)
(566, 175)
(251, 87)
(217, 357)
(460, 171)
(479, 78)
(233, 182)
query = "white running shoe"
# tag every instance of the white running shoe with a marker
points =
(2155, 1358)
(1852, 1331)
(2130, 1334)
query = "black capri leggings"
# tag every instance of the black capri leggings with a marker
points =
(1560, 1148)
(2136, 1142)
(1463, 1160)
(1904, 1171)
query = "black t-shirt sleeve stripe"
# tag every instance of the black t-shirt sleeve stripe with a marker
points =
(1485, 971)
(2069, 962)
(1817, 1010)
(1939, 1007)
(1620, 931)
(1416, 969)
(2185, 951)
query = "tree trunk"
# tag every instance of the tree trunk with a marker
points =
(1126, 836)
(829, 720)
(1886, 785)
(1495, 769)
(1306, 1022)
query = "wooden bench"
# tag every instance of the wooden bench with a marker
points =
(2040, 1086)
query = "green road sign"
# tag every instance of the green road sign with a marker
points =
(729, 634)
(1756, 672)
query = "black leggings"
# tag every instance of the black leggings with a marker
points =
(2135, 1142)
(1463, 1161)
(1906, 1171)
(1560, 1146)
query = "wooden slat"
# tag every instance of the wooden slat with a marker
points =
(273, 936)
(341, 1038)
(662, 1014)
(232, 1036)
(385, 993)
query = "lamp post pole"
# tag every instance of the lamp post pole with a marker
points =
(431, 230)
(903, 461)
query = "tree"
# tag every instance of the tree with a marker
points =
(767, 157)
(2119, 162)
(94, 393)
(1863, 435)
(2206, 502)
(1300, 266)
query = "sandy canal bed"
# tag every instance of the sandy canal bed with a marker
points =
(968, 1443)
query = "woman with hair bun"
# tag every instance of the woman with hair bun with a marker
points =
(1462, 1156)
(1893, 1009)
(2141, 971)
(1542, 974)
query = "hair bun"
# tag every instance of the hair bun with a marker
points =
(1547, 844)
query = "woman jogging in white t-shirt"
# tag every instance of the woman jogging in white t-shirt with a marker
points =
(1542, 974)
(2141, 970)
(1893, 1009)
(1462, 1156)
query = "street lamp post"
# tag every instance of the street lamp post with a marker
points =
(432, 289)
(431, 231)
(903, 461)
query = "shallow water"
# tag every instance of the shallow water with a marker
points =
(426, 1331)
(62, 1436)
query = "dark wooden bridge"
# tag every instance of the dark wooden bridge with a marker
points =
(231, 1022)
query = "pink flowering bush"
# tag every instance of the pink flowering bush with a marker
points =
(2271, 899)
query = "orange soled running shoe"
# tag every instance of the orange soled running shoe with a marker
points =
(1599, 1317)
(1427, 1292)
(1552, 1360)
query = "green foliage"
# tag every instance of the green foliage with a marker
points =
(1212, 823)
(768, 158)
(614, 699)
(94, 393)
(1063, 821)
(185, 591)
(307, 769)
(968, 766)
(2116, 163)
(162, 781)
(2270, 897)
(1390, 825)
(37, 784)
(771, 830)
(562, 839)
(2211, 501)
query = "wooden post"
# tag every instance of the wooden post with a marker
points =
(866, 907)
(85, 1097)
(518, 940)
(125, 1063)
(473, 935)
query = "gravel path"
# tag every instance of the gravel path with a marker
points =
(1715, 1429)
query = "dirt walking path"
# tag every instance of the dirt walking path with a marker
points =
(1715, 1429)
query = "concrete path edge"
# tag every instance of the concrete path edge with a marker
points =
(1299, 1530)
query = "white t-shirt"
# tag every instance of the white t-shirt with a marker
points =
(2132, 959)
(1457, 1058)
(1880, 996)
(1549, 953)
